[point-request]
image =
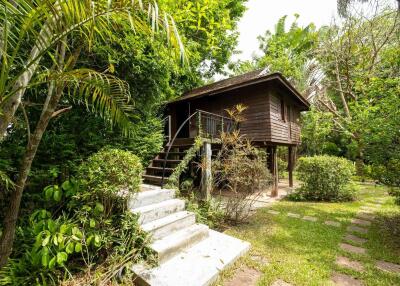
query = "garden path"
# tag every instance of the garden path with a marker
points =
(304, 243)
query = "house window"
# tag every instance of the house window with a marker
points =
(283, 110)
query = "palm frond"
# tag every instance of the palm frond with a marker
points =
(103, 94)
(45, 23)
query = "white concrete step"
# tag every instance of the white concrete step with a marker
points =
(159, 210)
(151, 195)
(197, 266)
(148, 187)
(169, 224)
(178, 241)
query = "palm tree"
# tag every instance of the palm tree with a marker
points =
(50, 25)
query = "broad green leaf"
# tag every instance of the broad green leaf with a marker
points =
(52, 262)
(57, 195)
(92, 223)
(51, 225)
(48, 192)
(99, 208)
(61, 257)
(78, 247)
(70, 247)
(46, 240)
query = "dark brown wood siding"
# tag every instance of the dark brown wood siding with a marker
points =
(263, 116)
(284, 127)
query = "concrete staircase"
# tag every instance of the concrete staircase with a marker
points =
(189, 254)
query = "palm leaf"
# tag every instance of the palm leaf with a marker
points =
(102, 93)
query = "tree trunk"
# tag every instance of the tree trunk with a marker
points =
(11, 216)
(11, 104)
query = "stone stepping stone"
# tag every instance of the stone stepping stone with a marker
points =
(244, 276)
(355, 239)
(357, 229)
(345, 280)
(368, 209)
(361, 222)
(310, 218)
(388, 266)
(366, 216)
(293, 215)
(348, 263)
(273, 212)
(352, 249)
(333, 223)
(259, 259)
(280, 282)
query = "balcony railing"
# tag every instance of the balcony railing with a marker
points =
(210, 125)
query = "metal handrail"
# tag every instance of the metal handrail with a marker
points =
(169, 126)
(170, 145)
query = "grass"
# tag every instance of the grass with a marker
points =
(304, 253)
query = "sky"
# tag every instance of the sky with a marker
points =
(262, 15)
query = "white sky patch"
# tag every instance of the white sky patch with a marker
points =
(262, 15)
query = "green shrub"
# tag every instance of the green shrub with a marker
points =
(325, 178)
(111, 175)
(395, 192)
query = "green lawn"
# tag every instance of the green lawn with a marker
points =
(304, 253)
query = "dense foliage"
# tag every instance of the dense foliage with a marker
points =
(349, 72)
(81, 222)
(325, 178)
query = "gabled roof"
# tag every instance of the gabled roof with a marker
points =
(247, 79)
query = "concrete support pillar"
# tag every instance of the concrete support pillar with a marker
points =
(274, 161)
(206, 176)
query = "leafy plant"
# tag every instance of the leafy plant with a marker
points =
(325, 178)
(173, 180)
(240, 170)
(109, 176)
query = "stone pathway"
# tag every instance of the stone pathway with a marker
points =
(352, 244)
(280, 282)
(244, 276)
(359, 225)
(333, 223)
(345, 280)
(348, 263)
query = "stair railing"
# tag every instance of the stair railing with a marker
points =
(167, 120)
(211, 128)
(170, 145)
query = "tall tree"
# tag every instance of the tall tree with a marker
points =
(288, 51)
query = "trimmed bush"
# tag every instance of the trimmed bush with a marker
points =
(325, 178)
(111, 175)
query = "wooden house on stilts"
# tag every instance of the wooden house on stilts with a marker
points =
(271, 119)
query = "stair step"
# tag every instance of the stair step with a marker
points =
(172, 244)
(148, 187)
(149, 197)
(198, 265)
(169, 224)
(167, 161)
(153, 179)
(173, 153)
(160, 169)
(159, 210)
